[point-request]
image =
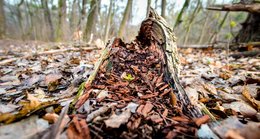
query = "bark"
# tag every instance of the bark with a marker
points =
(2, 19)
(148, 7)
(163, 8)
(47, 18)
(125, 18)
(61, 20)
(179, 17)
(92, 17)
(250, 31)
(108, 21)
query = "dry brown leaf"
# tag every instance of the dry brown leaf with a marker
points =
(114, 121)
(180, 119)
(202, 120)
(145, 109)
(78, 129)
(51, 117)
(173, 99)
(248, 96)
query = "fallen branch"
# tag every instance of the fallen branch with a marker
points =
(245, 54)
(252, 8)
(3, 62)
(202, 46)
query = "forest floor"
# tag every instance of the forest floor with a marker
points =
(34, 89)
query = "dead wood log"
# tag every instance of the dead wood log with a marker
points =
(252, 8)
(245, 54)
(154, 36)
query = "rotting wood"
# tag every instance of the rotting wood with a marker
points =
(142, 77)
(162, 35)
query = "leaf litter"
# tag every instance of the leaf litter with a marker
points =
(129, 99)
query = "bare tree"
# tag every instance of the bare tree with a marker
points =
(148, 7)
(73, 16)
(109, 16)
(183, 9)
(92, 17)
(192, 17)
(83, 14)
(125, 18)
(214, 35)
(2, 19)
(47, 17)
(61, 20)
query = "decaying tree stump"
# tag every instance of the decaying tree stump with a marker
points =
(141, 74)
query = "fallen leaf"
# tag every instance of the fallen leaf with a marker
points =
(7, 108)
(114, 121)
(180, 119)
(156, 118)
(132, 106)
(202, 120)
(23, 129)
(51, 117)
(102, 94)
(248, 96)
(193, 95)
(241, 107)
(39, 93)
(127, 76)
(78, 129)
(233, 134)
(145, 109)
(52, 78)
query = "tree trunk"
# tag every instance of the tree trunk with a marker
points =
(2, 19)
(148, 7)
(163, 8)
(61, 20)
(125, 18)
(250, 31)
(20, 19)
(83, 14)
(47, 17)
(203, 29)
(92, 18)
(214, 35)
(193, 15)
(179, 17)
(73, 16)
(109, 16)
